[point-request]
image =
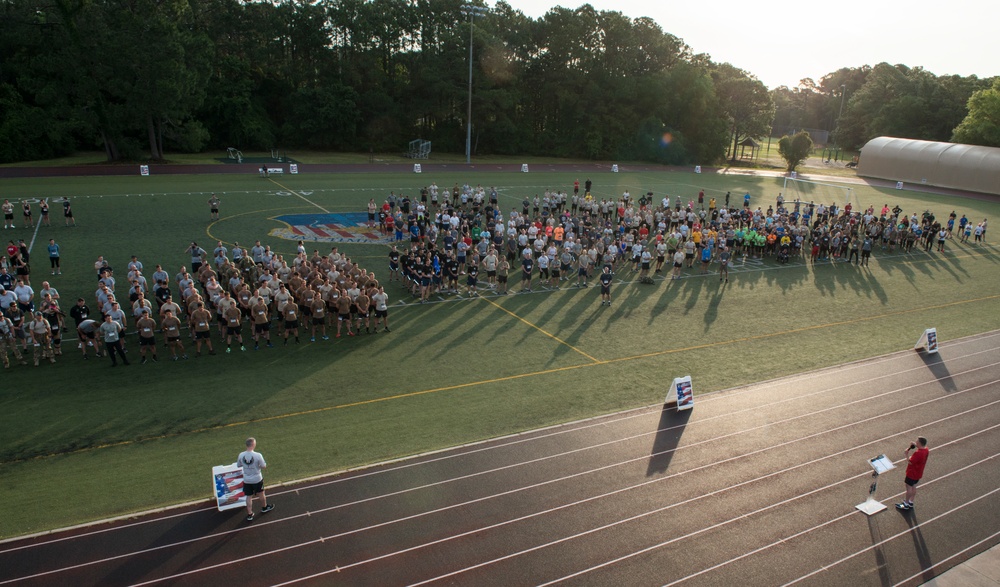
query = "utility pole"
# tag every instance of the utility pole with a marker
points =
(836, 132)
(472, 12)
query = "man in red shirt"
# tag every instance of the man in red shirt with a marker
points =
(914, 471)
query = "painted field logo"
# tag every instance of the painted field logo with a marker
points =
(328, 228)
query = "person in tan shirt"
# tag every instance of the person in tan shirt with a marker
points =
(363, 303)
(261, 322)
(344, 313)
(318, 317)
(147, 335)
(171, 326)
(290, 313)
(201, 320)
(234, 326)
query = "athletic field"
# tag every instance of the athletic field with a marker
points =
(82, 441)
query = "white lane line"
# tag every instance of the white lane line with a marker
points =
(520, 438)
(907, 532)
(770, 507)
(943, 561)
(831, 521)
(632, 518)
(534, 486)
(35, 235)
(291, 191)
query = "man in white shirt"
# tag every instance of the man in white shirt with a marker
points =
(253, 465)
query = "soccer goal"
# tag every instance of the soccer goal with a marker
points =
(805, 191)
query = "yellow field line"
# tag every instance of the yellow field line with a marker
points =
(512, 377)
(539, 329)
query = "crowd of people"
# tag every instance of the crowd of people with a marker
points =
(444, 242)
(455, 235)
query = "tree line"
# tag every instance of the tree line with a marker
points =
(893, 100)
(143, 78)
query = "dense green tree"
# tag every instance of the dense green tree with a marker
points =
(795, 149)
(982, 125)
(143, 77)
(745, 102)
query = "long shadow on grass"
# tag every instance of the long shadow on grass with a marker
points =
(712, 311)
(847, 275)
(668, 435)
(570, 302)
(670, 291)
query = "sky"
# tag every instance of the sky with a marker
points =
(783, 41)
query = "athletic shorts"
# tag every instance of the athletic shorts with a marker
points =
(262, 327)
(689, 255)
(471, 281)
(202, 334)
(319, 321)
(645, 265)
(253, 488)
(234, 330)
(8, 216)
(173, 339)
(343, 317)
(582, 271)
(143, 341)
(678, 265)
(659, 259)
(606, 290)
(361, 314)
(381, 313)
(911, 482)
(555, 272)
(425, 281)
(501, 279)
(291, 324)
(491, 274)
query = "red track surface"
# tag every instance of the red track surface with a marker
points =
(754, 486)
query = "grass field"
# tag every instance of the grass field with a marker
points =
(80, 441)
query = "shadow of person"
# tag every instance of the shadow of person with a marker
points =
(668, 436)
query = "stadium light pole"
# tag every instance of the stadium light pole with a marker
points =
(472, 12)
(836, 141)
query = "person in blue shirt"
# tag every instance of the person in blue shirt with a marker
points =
(54, 257)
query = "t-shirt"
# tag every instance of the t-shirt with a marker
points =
(110, 330)
(915, 468)
(252, 463)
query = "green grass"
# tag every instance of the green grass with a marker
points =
(129, 439)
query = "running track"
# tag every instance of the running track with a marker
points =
(755, 486)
